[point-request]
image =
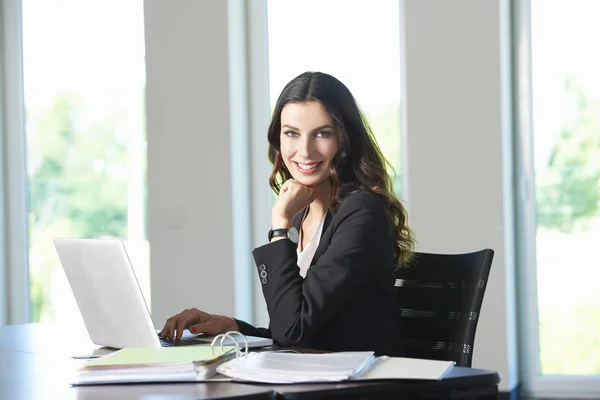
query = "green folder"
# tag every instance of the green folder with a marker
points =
(199, 355)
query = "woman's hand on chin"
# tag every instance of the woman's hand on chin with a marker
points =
(293, 198)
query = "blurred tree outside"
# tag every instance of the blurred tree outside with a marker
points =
(568, 189)
(386, 126)
(568, 200)
(77, 170)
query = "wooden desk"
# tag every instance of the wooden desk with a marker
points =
(36, 363)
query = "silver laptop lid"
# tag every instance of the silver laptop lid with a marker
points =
(107, 292)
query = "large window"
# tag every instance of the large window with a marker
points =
(566, 137)
(358, 42)
(559, 226)
(84, 79)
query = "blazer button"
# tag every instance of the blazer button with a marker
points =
(264, 281)
(262, 267)
(263, 274)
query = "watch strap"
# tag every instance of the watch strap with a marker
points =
(283, 232)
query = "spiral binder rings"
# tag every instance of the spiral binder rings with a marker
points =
(229, 335)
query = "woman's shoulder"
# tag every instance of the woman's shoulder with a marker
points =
(361, 199)
(364, 209)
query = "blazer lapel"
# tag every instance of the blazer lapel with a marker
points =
(325, 240)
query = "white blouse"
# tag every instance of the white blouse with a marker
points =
(306, 255)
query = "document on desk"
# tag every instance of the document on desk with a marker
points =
(271, 367)
(394, 368)
(166, 364)
(278, 367)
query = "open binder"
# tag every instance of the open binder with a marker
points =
(283, 367)
(274, 367)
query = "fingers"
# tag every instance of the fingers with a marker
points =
(289, 184)
(167, 331)
(191, 317)
(197, 322)
(290, 189)
(211, 326)
(172, 328)
(293, 198)
(284, 188)
(179, 325)
(207, 327)
(297, 188)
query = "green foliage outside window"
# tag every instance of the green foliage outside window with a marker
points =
(568, 189)
(77, 172)
(568, 200)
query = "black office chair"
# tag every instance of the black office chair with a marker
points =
(440, 296)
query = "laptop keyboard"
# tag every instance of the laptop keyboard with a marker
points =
(180, 342)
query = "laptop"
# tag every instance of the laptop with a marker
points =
(110, 299)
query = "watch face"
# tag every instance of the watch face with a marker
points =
(293, 234)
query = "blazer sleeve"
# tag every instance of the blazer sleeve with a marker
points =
(251, 330)
(299, 307)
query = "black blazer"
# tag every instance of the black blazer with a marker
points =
(346, 302)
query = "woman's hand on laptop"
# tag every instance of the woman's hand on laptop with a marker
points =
(197, 322)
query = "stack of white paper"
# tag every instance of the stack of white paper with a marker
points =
(273, 367)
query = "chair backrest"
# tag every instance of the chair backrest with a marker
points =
(440, 296)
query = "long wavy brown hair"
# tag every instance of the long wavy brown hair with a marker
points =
(359, 163)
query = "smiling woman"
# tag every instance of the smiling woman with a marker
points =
(331, 287)
(308, 141)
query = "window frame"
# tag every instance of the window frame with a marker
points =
(533, 383)
(14, 265)
(259, 117)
